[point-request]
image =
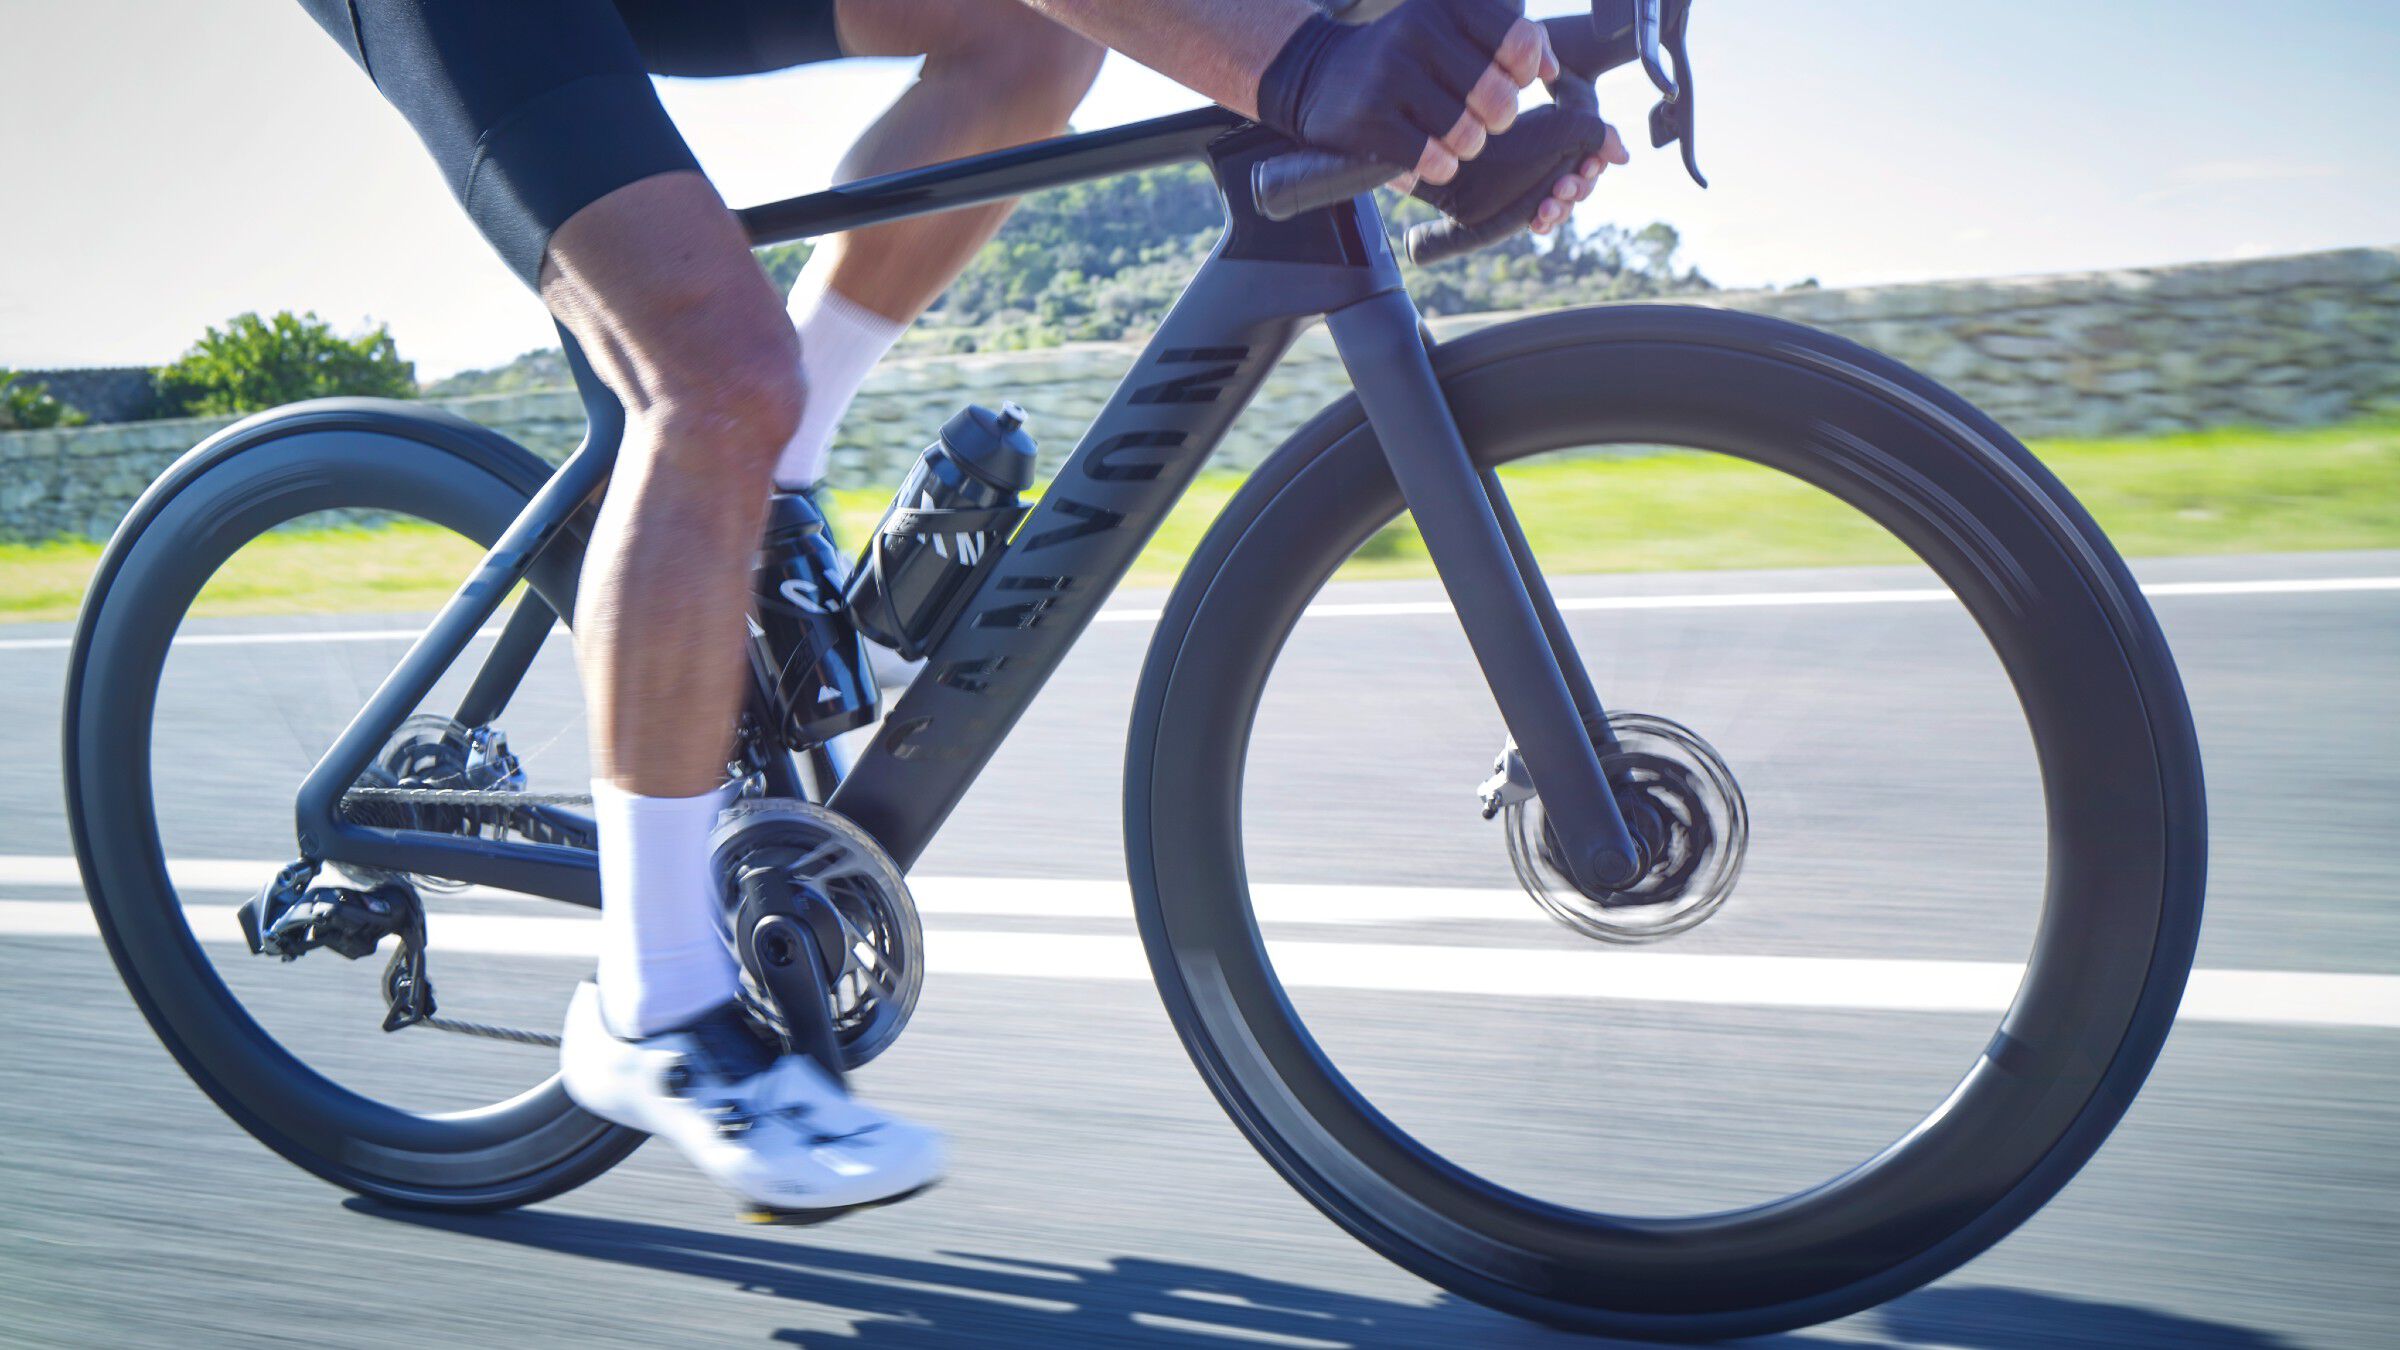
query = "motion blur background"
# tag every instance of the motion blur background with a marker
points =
(2155, 239)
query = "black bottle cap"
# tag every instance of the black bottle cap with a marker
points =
(790, 513)
(992, 445)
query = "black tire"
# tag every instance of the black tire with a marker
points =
(341, 453)
(2118, 762)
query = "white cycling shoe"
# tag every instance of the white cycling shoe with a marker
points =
(772, 1128)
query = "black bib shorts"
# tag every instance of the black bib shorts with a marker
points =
(536, 108)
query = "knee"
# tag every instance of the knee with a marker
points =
(727, 422)
(1034, 62)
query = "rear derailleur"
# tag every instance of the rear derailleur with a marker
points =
(289, 918)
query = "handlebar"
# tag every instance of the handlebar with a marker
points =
(1615, 33)
(1299, 181)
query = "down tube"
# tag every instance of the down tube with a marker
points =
(1218, 343)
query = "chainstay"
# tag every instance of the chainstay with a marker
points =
(474, 797)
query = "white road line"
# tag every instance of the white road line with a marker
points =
(251, 639)
(1420, 608)
(953, 897)
(2249, 997)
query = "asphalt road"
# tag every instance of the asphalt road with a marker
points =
(1098, 1195)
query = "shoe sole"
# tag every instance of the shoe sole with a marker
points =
(803, 1218)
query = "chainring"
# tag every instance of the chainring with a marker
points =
(882, 953)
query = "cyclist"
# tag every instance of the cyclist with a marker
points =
(545, 123)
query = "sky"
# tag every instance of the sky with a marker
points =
(165, 165)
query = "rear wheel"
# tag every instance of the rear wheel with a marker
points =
(245, 610)
(1973, 816)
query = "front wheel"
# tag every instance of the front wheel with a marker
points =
(1974, 820)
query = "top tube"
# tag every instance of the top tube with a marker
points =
(983, 178)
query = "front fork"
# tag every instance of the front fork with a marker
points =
(1512, 622)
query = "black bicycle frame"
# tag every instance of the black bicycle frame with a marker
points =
(1249, 299)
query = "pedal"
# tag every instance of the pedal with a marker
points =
(1511, 784)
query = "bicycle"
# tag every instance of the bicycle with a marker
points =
(1624, 827)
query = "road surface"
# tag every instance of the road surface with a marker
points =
(1100, 1198)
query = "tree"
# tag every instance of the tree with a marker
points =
(27, 406)
(1654, 248)
(253, 363)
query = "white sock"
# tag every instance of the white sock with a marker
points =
(663, 958)
(840, 342)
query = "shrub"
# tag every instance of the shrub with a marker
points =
(28, 406)
(783, 263)
(253, 363)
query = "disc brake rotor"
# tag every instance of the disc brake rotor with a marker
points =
(1686, 815)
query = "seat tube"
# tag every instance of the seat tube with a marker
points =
(1379, 342)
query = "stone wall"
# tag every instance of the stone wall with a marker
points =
(102, 393)
(2277, 341)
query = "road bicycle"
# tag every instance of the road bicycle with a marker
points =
(1623, 826)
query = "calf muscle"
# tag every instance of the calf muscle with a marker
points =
(657, 284)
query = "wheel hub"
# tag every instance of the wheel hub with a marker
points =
(1686, 814)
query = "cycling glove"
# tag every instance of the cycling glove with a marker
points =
(1387, 87)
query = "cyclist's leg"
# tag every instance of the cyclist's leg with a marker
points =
(543, 119)
(995, 74)
(657, 284)
(547, 127)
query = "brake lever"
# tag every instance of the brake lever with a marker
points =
(1671, 120)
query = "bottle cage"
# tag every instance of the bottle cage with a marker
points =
(990, 526)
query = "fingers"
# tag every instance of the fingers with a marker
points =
(1613, 150)
(1492, 103)
(1467, 136)
(1523, 57)
(1524, 54)
(1436, 164)
(1570, 188)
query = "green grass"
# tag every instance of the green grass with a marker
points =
(2235, 490)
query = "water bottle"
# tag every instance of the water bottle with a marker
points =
(944, 530)
(806, 650)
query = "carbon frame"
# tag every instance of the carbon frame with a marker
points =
(1259, 286)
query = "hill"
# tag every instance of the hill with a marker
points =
(1103, 260)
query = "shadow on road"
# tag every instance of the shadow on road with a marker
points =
(894, 1302)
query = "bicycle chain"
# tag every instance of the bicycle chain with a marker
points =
(466, 797)
(488, 1031)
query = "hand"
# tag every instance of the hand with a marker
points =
(1574, 187)
(1529, 178)
(1426, 85)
